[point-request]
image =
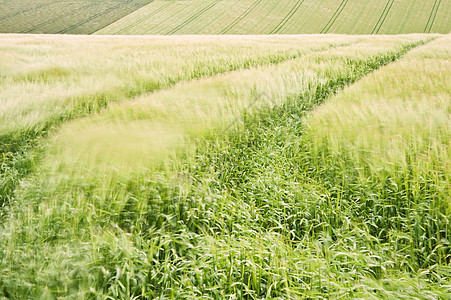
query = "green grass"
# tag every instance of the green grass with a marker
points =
(159, 197)
(387, 149)
(76, 17)
(286, 17)
(46, 81)
(44, 78)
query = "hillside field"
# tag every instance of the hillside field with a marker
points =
(173, 17)
(71, 17)
(225, 167)
(286, 17)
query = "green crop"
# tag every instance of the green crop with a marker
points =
(242, 185)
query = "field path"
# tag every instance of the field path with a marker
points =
(148, 86)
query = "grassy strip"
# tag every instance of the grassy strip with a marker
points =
(223, 227)
(387, 162)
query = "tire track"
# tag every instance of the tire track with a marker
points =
(140, 21)
(334, 16)
(58, 18)
(192, 18)
(8, 144)
(206, 25)
(25, 11)
(287, 17)
(95, 16)
(382, 17)
(241, 17)
(432, 16)
(14, 145)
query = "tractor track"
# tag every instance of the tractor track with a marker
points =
(19, 144)
(241, 17)
(58, 18)
(334, 16)
(140, 21)
(382, 17)
(287, 17)
(95, 16)
(193, 17)
(25, 11)
(432, 16)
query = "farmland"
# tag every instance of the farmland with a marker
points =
(173, 17)
(225, 149)
(76, 17)
(286, 17)
(213, 167)
(60, 76)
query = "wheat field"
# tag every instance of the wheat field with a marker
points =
(235, 167)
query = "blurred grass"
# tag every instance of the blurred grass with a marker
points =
(46, 80)
(247, 213)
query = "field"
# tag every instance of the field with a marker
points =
(168, 17)
(76, 17)
(225, 167)
(286, 17)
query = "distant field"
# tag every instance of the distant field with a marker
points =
(206, 167)
(77, 17)
(286, 17)
(226, 16)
